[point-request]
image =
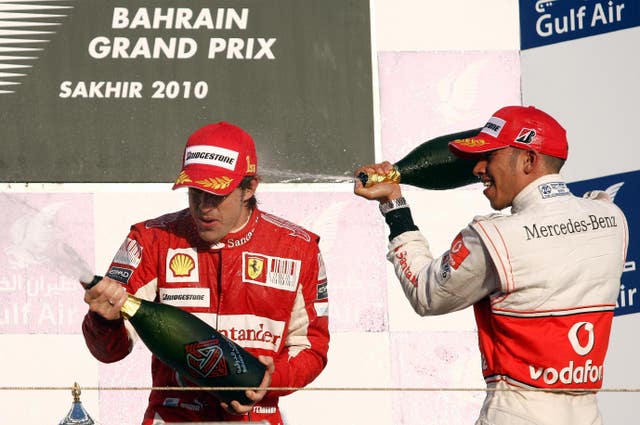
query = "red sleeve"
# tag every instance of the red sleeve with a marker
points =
(107, 340)
(135, 264)
(307, 341)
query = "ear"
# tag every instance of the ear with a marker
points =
(251, 190)
(531, 161)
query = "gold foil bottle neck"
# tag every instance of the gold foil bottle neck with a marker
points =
(130, 307)
(392, 176)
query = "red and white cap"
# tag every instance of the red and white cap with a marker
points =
(524, 127)
(216, 158)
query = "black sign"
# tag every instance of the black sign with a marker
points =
(109, 91)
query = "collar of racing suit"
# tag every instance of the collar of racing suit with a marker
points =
(547, 186)
(240, 237)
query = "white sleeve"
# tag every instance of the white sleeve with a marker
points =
(457, 279)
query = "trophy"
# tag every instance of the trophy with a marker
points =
(77, 415)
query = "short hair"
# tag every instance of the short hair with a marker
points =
(553, 163)
(245, 184)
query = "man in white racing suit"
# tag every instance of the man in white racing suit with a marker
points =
(542, 280)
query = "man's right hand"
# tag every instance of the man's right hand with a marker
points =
(106, 298)
(382, 192)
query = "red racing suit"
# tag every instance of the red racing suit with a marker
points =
(264, 287)
(543, 282)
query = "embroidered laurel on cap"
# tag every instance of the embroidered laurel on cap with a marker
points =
(524, 127)
(216, 158)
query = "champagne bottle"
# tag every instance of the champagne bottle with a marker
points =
(431, 165)
(193, 348)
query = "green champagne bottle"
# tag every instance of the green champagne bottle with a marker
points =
(431, 165)
(191, 347)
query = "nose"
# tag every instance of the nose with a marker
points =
(480, 168)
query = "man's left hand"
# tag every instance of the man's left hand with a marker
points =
(235, 408)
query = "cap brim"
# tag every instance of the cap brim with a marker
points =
(474, 147)
(220, 185)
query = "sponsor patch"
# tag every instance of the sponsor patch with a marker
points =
(404, 266)
(233, 243)
(322, 309)
(252, 331)
(323, 292)
(211, 155)
(458, 252)
(182, 265)
(185, 297)
(445, 268)
(255, 266)
(494, 126)
(322, 271)
(121, 274)
(129, 253)
(274, 272)
(570, 226)
(551, 190)
(171, 402)
(526, 136)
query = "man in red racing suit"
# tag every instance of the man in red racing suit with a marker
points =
(261, 282)
(543, 280)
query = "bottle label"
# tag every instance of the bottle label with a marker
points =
(206, 358)
(238, 364)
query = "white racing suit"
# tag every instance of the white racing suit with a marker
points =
(543, 282)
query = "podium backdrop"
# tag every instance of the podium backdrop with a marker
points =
(109, 91)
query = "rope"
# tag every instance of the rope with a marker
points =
(364, 389)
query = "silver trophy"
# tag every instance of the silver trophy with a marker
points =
(77, 415)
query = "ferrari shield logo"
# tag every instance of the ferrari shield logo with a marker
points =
(255, 266)
(274, 272)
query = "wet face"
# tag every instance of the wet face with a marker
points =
(215, 216)
(501, 173)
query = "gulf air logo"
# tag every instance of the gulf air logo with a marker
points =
(181, 265)
(582, 338)
(206, 358)
(526, 136)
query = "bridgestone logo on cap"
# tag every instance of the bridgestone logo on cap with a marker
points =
(494, 126)
(211, 155)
